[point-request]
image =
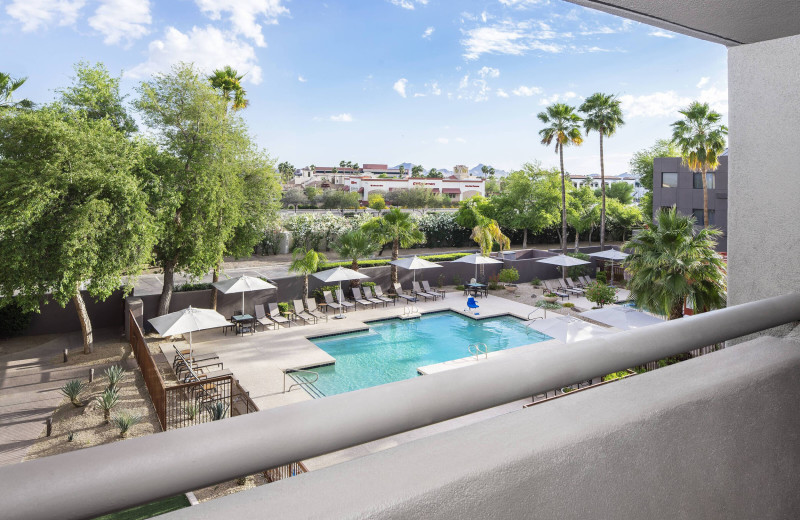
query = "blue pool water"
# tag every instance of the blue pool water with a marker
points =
(392, 350)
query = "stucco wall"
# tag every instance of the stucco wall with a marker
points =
(764, 195)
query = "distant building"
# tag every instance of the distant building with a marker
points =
(676, 185)
(594, 181)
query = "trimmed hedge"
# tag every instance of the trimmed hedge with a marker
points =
(192, 287)
(377, 263)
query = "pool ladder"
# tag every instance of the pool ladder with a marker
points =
(476, 349)
(410, 309)
(531, 319)
(302, 380)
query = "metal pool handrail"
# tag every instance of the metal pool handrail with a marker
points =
(298, 383)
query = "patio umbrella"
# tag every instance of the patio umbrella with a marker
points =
(242, 284)
(414, 263)
(567, 329)
(611, 254)
(339, 274)
(188, 320)
(477, 259)
(623, 318)
(563, 261)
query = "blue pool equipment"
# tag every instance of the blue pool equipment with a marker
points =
(472, 304)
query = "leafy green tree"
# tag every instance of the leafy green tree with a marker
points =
(671, 263)
(583, 212)
(601, 294)
(603, 115)
(8, 86)
(314, 194)
(72, 212)
(622, 191)
(492, 187)
(433, 173)
(402, 170)
(641, 165)
(417, 170)
(529, 200)
(700, 137)
(417, 197)
(376, 202)
(229, 83)
(397, 228)
(286, 170)
(306, 262)
(96, 92)
(294, 197)
(623, 217)
(563, 129)
(476, 213)
(341, 200)
(356, 245)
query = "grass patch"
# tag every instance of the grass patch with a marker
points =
(149, 510)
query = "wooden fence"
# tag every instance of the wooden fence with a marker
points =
(282, 472)
(147, 365)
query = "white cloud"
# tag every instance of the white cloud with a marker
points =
(428, 32)
(208, 48)
(520, 4)
(716, 98)
(33, 14)
(408, 4)
(442, 140)
(342, 118)
(435, 90)
(121, 20)
(245, 14)
(460, 140)
(501, 93)
(661, 34)
(513, 38)
(464, 83)
(566, 96)
(400, 86)
(524, 91)
(488, 72)
(703, 82)
(657, 104)
(301, 79)
(419, 94)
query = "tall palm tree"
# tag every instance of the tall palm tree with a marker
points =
(306, 262)
(603, 115)
(356, 245)
(395, 227)
(228, 82)
(563, 128)
(7, 87)
(670, 263)
(701, 140)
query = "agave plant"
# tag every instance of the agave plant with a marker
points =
(73, 390)
(70, 436)
(124, 421)
(114, 375)
(192, 410)
(217, 411)
(106, 401)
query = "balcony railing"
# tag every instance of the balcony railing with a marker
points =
(94, 481)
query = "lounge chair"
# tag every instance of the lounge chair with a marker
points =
(419, 292)
(275, 314)
(562, 285)
(367, 294)
(427, 287)
(550, 288)
(184, 363)
(312, 310)
(344, 303)
(360, 300)
(300, 312)
(262, 318)
(376, 289)
(586, 280)
(398, 290)
(329, 300)
(571, 287)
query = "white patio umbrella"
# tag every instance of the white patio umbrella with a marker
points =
(567, 329)
(242, 284)
(623, 318)
(477, 259)
(414, 263)
(339, 274)
(611, 254)
(188, 320)
(563, 261)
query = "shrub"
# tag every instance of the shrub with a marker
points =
(494, 282)
(124, 421)
(578, 270)
(73, 390)
(270, 242)
(114, 374)
(550, 295)
(568, 305)
(367, 284)
(536, 282)
(440, 281)
(601, 277)
(283, 307)
(321, 297)
(13, 320)
(217, 411)
(509, 275)
(547, 305)
(616, 375)
(186, 287)
(460, 287)
(600, 293)
(192, 410)
(70, 436)
(106, 401)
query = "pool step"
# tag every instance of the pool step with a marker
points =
(306, 383)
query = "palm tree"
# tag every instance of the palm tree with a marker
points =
(604, 115)
(701, 140)
(670, 263)
(395, 227)
(356, 245)
(228, 82)
(7, 87)
(306, 262)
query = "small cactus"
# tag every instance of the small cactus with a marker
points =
(218, 410)
(73, 390)
(124, 421)
(114, 374)
(106, 401)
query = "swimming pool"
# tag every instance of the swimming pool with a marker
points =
(392, 350)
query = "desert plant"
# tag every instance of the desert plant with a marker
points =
(192, 410)
(536, 282)
(600, 293)
(509, 275)
(568, 305)
(440, 281)
(460, 287)
(73, 390)
(114, 374)
(551, 306)
(70, 436)
(456, 280)
(494, 282)
(124, 421)
(218, 410)
(241, 481)
(550, 295)
(106, 401)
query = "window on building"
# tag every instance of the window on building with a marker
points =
(698, 216)
(669, 180)
(698, 180)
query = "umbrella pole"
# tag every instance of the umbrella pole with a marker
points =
(341, 307)
(190, 348)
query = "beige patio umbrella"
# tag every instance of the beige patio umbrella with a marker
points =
(188, 320)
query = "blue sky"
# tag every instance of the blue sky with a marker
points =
(423, 81)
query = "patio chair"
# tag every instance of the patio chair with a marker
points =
(360, 300)
(300, 312)
(275, 315)
(419, 292)
(427, 287)
(376, 289)
(262, 318)
(367, 294)
(572, 287)
(398, 290)
(312, 310)
(343, 301)
(331, 303)
(550, 288)
(586, 280)
(472, 304)
(565, 287)
(185, 354)
(184, 362)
